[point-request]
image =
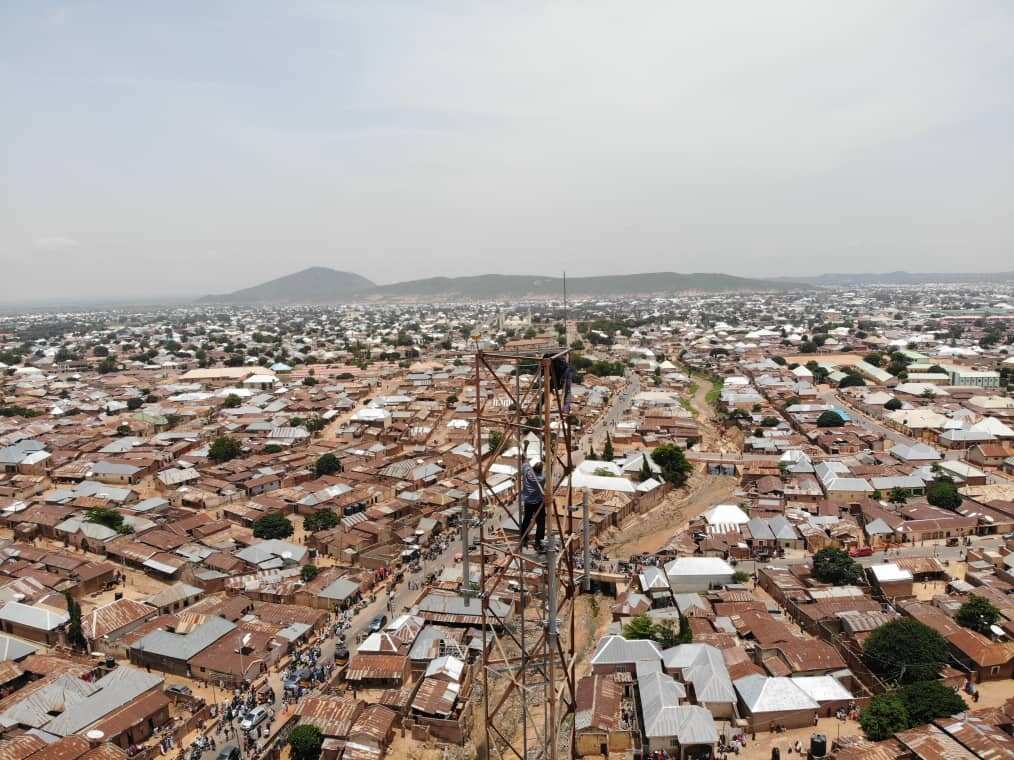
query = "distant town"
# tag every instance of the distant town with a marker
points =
(747, 518)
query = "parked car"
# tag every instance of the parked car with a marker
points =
(378, 623)
(228, 752)
(864, 551)
(254, 718)
(179, 689)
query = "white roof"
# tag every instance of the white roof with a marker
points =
(762, 694)
(261, 379)
(726, 514)
(889, 572)
(686, 566)
(601, 483)
(994, 426)
(823, 688)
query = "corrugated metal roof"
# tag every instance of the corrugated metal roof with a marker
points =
(185, 646)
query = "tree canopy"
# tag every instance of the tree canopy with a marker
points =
(607, 450)
(978, 614)
(666, 634)
(323, 519)
(943, 492)
(306, 741)
(223, 449)
(893, 405)
(832, 565)
(675, 467)
(884, 717)
(308, 572)
(75, 633)
(852, 381)
(906, 651)
(912, 705)
(274, 525)
(830, 419)
(327, 464)
(929, 700)
(108, 517)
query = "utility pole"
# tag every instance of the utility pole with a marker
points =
(585, 534)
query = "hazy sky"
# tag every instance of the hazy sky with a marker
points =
(192, 147)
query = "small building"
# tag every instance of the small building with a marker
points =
(891, 581)
(35, 623)
(775, 702)
(600, 724)
(698, 573)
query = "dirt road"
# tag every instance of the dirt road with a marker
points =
(653, 530)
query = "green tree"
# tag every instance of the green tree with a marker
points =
(834, 566)
(893, 405)
(899, 495)
(107, 517)
(272, 448)
(884, 717)
(223, 449)
(232, 401)
(741, 576)
(323, 519)
(607, 450)
(876, 359)
(830, 419)
(306, 741)
(942, 492)
(673, 462)
(75, 633)
(906, 651)
(928, 700)
(978, 614)
(274, 525)
(639, 627)
(646, 473)
(327, 464)
(314, 424)
(851, 381)
(494, 440)
(686, 633)
(309, 381)
(107, 365)
(133, 404)
(769, 422)
(308, 572)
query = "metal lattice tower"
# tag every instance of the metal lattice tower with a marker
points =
(528, 661)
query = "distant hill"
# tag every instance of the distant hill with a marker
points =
(313, 285)
(324, 285)
(900, 278)
(499, 285)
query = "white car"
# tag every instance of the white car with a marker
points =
(254, 718)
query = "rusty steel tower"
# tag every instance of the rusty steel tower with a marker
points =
(527, 595)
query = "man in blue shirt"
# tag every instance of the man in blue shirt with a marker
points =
(532, 483)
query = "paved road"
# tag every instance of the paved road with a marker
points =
(401, 596)
(618, 407)
(865, 420)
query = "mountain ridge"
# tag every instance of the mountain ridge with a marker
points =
(325, 285)
(310, 285)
